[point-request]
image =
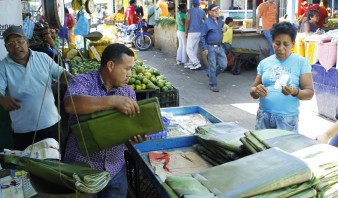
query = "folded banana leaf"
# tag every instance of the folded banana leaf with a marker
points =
(73, 177)
(187, 186)
(258, 173)
(108, 128)
(226, 134)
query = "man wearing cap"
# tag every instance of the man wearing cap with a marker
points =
(193, 26)
(25, 90)
(130, 15)
(268, 12)
(211, 44)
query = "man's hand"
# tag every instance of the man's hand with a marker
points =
(127, 105)
(138, 139)
(9, 103)
(258, 30)
(205, 52)
(261, 91)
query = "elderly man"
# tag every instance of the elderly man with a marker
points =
(25, 90)
(211, 44)
(268, 12)
(104, 89)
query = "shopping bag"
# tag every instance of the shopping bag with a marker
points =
(82, 25)
(109, 128)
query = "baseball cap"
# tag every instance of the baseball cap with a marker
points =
(196, 2)
(132, 1)
(212, 7)
(13, 30)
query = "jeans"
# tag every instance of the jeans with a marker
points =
(268, 37)
(267, 120)
(117, 186)
(181, 55)
(217, 63)
(192, 46)
(334, 141)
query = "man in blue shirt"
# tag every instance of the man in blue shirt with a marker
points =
(25, 90)
(193, 25)
(211, 44)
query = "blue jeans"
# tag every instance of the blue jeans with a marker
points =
(217, 63)
(117, 186)
(268, 37)
(265, 120)
(334, 141)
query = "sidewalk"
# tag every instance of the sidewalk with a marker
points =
(233, 102)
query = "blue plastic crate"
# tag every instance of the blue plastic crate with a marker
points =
(162, 134)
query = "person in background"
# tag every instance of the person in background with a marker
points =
(330, 136)
(268, 12)
(130, 15)
(163, 5)
(303, 7)
(25, 89)
(181, 56)
(211, 44)
(227, 35)
(282, 81)
(28, 26)
(67, 28)
(106, 88)
(193, 26)
(152, 16)
(310, 26)
(323, 15)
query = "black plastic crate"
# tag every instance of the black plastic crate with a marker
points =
(140, 184)
(166, 99)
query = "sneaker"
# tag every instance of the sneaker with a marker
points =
(196, 66)
(188, 65)
(214, 89)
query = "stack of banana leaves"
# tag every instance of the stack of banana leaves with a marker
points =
(220, 143)
(72, 177)
(270, 173)
(323, 161)
(256, 141)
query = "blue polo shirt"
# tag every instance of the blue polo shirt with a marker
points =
(27, 84)
(211, 33)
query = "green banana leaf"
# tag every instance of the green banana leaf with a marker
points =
(255, 174)
(73, 177)
(185, 186)
(108, 128)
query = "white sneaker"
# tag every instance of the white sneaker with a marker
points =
(188, 65)
(196, 66)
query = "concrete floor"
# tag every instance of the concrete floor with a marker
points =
(233, 102)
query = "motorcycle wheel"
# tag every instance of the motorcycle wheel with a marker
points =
(143, 43)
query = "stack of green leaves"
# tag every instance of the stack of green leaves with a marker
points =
(220, 143)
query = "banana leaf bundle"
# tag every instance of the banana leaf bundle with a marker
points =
(256, 174)
(187, 186)
(72, 177)
(225, 134)
(323, 160)
(108, 128)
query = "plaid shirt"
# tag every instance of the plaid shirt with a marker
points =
(110, 159)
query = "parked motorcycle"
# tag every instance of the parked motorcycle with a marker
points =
(135, 34)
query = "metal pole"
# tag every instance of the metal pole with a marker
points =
(254, 7)
(176, 8)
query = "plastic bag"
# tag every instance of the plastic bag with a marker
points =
(82, 25)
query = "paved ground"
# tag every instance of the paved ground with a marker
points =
(233, 102)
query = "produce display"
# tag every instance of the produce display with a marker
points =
(145, 77)
(332, 23)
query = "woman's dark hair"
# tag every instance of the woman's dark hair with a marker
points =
(284, 28)
(228, 20)
(182, 6)
(114, 53)
(311, 14)
(316, 1)
(66, 11)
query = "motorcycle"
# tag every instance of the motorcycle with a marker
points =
(135, 34)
